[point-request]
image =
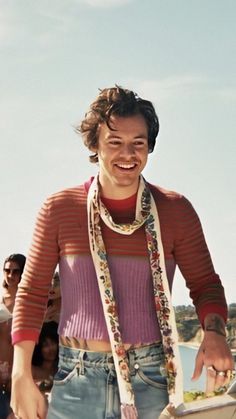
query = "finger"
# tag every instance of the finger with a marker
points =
(210, 379)
(42, 409)
(221, 379)
(224, 378)
(198, 365)
(42, 414)
(24, 415)
(231, 374)
(197, 371)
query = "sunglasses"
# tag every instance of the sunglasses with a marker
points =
(12, 271)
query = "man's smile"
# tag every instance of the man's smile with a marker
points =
(126, 166)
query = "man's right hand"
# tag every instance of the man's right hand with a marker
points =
(26, 401)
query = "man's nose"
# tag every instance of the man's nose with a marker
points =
(128, 149)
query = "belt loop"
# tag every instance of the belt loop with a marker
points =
(109, 362)
(109, 414)
(81, 362)
(131, 358)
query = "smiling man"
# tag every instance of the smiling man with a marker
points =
(122, 151)
(117, 239)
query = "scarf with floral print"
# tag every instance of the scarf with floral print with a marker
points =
(146, 214)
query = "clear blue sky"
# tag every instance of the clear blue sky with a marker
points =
(181, 55)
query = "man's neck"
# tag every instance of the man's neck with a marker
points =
(118, 192)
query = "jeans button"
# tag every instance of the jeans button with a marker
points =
(136, 366)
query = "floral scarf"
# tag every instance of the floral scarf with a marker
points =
(146, 214)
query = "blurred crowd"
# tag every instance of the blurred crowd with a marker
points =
(45, 356)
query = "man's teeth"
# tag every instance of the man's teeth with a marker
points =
(126, 166)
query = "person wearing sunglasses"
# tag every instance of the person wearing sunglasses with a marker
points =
(12, 270)
(13, 267)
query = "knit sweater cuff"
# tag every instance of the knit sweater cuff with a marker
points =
(23, 335)
(212, 308)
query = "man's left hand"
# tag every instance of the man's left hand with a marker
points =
(214, 354)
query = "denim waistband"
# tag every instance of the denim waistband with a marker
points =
(144, 354)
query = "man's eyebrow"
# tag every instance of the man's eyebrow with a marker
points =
(113, 136)
(141, 136)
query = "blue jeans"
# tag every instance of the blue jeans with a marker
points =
(85, 386)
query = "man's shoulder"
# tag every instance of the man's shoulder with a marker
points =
(67, 197)
(69, 192)
(172, 203)
(165, 194)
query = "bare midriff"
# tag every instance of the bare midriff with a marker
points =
(95, 345)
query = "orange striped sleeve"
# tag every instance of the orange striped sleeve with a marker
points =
(194, 261)
(32, 295)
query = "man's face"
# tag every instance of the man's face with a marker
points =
(11, 273)
(122, 155)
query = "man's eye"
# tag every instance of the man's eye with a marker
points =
(139, 143)
(114, 142)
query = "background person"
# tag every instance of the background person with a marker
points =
(45, 357)
(54, 300)
(120, 130)
(12, 270)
